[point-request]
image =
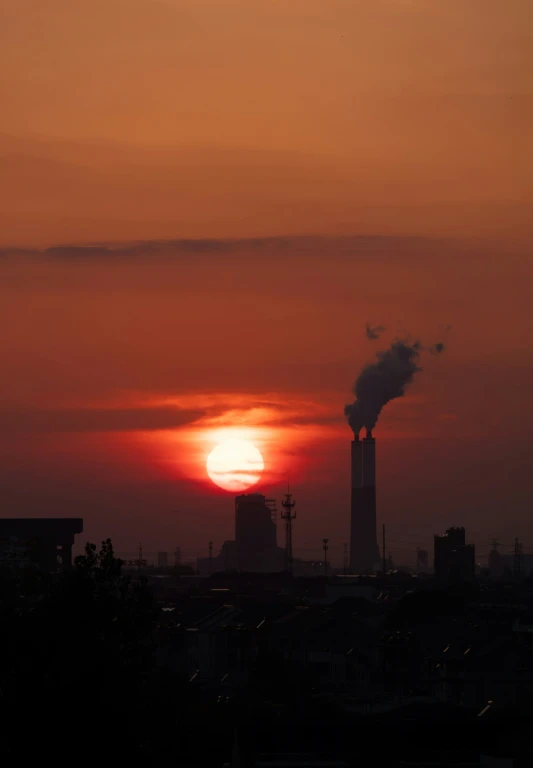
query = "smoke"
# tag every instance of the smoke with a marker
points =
(374, 333)
(384, 380)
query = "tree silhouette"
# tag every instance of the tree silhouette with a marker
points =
(77, 649)
(103, 561)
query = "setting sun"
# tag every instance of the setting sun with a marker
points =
(235, 465)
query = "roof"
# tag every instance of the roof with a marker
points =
(40, 526)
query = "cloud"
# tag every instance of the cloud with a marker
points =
(204, 413)
(374, 333)
(349, 245)
(54, 420)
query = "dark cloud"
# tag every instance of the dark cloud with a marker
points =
(385, 380)
(385, 247)
(301, 420)
(373, 333)
(78, 252)
(16, 420)
(54, 420)
(382, 381)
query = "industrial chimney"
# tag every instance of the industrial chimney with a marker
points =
(364, 552)
(377, 384)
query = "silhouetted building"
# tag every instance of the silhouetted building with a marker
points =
(364, 552)
(254, 547)
(255, 534)
(44, 542)
(162, 559)
(454, 559)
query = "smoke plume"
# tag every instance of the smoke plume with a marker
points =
(374, 333)
(382, 381)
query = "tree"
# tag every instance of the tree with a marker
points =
(104, 561)
(76, 649)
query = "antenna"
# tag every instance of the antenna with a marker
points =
(288, 515)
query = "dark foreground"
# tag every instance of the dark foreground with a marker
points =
(98, 666)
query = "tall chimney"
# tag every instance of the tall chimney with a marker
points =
(369, 460)
(364, 552)
(357, 463)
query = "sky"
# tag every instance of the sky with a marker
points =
(201, 206)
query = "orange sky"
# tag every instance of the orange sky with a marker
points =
(389, 139)
(135, 119)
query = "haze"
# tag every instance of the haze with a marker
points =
(315, 166)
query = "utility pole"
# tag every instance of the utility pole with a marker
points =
(383, 552)
(346, 558)
(325, 547)
(210, 558)
(288, 515)
(177, 557)
(139, 561)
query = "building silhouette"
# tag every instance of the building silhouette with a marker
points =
(255, 533)
(454, 559)
(255, 545)
(42, 542)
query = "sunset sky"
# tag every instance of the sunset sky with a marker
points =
(256, 180)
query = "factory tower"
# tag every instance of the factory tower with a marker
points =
(364, 552)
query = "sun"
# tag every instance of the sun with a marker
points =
(235, 465)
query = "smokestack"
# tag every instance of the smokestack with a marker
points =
(369, 461)
(377, 384)
(364, 552)
(357, 463)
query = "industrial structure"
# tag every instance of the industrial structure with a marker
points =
(454, 559)
(255, 533)
(288, 515)
(364, 552)
(43, 542)
(255, 545)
